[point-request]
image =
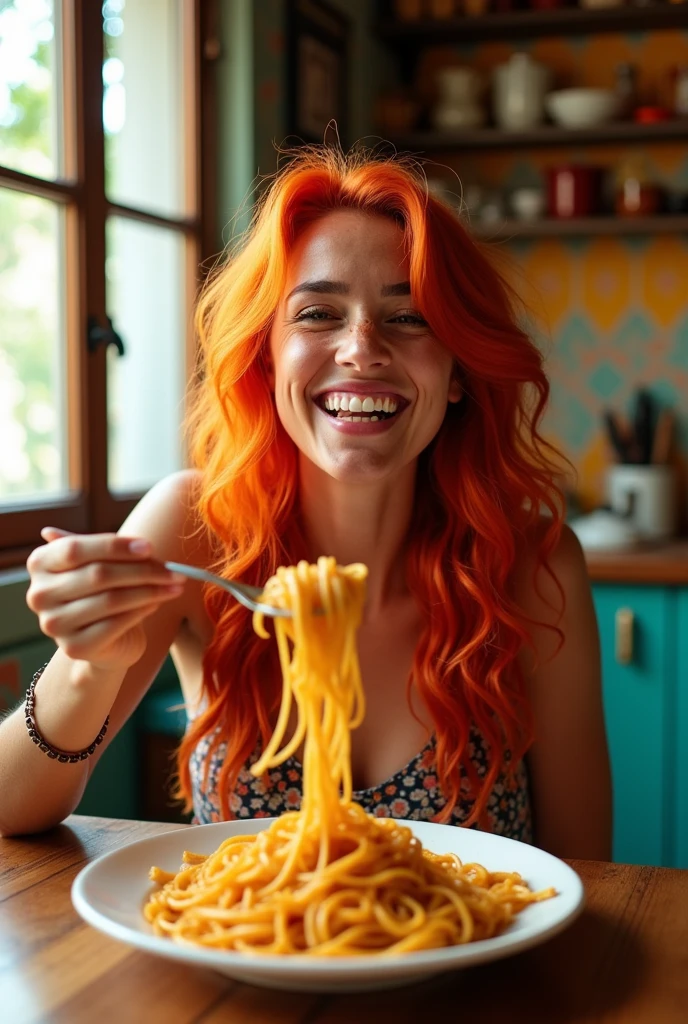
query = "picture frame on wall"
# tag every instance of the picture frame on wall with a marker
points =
(317, 36)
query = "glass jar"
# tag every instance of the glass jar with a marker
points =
(637, 192)
(680, 91)
(626, 89)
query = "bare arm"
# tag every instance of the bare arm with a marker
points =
(569, 761)
(74, 696)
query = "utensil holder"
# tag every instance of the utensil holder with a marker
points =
(646, 495)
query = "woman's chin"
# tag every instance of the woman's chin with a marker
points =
(360, 467)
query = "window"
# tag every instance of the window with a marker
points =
(106, 215)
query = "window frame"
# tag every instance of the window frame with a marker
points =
(90, 507)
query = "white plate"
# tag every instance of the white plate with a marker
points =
(110, 892)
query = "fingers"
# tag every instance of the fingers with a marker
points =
(62, 620)
(85, 643)
(48, 590)
(92, 592)
(53, 532)
(111, 573)
(66, 551)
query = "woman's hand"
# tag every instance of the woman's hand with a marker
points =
(91, 593)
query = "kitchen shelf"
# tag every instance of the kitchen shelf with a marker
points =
(545, 135)
(564, 21)
(554, 227)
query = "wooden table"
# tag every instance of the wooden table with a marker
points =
(624, 961)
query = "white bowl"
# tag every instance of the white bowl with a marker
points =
(581, 108)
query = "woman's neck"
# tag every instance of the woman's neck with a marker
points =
(360, 523)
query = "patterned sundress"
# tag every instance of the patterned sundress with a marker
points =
(412, 793)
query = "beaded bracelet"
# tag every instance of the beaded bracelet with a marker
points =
(63, 756)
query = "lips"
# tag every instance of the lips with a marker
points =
(361, 387)
(348, 423)
(361, 402)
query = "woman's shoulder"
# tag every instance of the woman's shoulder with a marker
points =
(167, 516)
(544, 576)
(535, 543)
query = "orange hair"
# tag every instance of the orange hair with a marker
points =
(481, 484)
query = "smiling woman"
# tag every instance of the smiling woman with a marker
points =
(358, 294)
(366, 393)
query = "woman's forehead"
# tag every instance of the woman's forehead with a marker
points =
(343, 238)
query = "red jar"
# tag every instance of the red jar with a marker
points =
(573, 190)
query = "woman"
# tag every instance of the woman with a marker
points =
(367, 394)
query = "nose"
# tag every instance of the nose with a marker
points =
(362, 348)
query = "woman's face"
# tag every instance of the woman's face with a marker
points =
(361, 383)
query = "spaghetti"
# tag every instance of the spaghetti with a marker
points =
(328, 880)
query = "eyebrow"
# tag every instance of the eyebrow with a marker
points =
(325, 287)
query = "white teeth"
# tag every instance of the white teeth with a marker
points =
(360, 419)
(359, 404)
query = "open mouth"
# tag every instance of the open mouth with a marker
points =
(360, 408)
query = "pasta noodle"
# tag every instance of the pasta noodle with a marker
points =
(328, 880)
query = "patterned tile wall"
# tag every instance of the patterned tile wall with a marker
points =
(615, 316)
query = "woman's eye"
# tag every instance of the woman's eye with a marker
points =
(318, 314)
(410, 318)
(314, 314)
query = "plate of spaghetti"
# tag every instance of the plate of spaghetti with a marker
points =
(326, 898)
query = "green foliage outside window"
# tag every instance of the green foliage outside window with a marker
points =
(30, 238)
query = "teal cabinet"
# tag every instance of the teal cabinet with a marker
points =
(681, 772)
(115, 790)
(640, 671)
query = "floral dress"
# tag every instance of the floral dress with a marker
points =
(411, 793)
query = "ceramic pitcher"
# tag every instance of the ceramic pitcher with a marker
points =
(519, 89)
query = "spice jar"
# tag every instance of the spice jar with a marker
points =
(680, 97)
(573, 190)
(637, 193)
(626, 89)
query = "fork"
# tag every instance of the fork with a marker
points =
(243, 592)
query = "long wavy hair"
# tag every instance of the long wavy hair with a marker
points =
(482, 484)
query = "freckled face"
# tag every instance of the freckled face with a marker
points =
(361, 383)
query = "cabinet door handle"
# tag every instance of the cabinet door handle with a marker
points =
(625, 621)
